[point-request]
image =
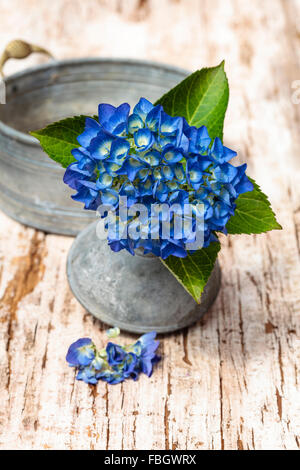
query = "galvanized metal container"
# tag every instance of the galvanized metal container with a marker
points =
(31, 187)
(137, 293)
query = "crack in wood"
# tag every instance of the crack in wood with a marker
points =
(241, 324)
(279, 403)
(93, 433)
(105, 396)
(29, 272)
(167, 414)
(185, 347)
(269, 327)
(220, 392)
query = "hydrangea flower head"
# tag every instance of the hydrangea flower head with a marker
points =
(115, 363)
(152, 158)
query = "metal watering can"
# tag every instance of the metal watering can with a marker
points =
(31, 187)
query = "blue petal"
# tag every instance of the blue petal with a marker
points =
(172, 155)
(135, 123)
(115, 354)
(157, 174)
(152, 158)
(119, 150)
(220, 153)
(171, 125)
(166, 141)
(79, 154)
(153, 118)
(116, 245)
(183, 144)
(80, 353)
(85, 162)
(100, 146)
(90, 131)
(73, 175)
(161, 192)
(179, 173)
(217, 149)
(87, 375)
(244, 186)
(128, 190)
(225, 196)
(167, 173)
(143, 108)
(146, 345)
(104, 181)
(70, 178)
(89, 196)
(172, 185)
(147, 338)
(110, 197)
(194, 175)
(111, 168)
(143, 139)
(179, 197)
(241, 183)
(174, 250)
(203, 162)
(201, 194)
(92, 124)
(105, 112)
(89, 184)
(131, 167)
(228, 154)
(202, 140)
(146, 188)
(151, 246)
(112, 119)
(85, 138)
(129, 365)
(111, 377)
(143, 174)
(225, 173)
(189, 131)
(117, 124)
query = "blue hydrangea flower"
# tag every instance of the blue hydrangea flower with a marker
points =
(145, 351)
(109, 376)
(115, 354)
(152, 159)
(115, 363)
(81, 353)
(87, 375)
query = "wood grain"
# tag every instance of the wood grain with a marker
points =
(231, 381)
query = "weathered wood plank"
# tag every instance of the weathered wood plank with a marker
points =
(231, 381)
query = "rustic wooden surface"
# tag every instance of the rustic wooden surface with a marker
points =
(231, 381)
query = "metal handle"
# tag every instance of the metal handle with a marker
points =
(19, 49)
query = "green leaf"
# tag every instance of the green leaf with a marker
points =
(59, 138)
(194, 270)
(253, 213)
(201, 98)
